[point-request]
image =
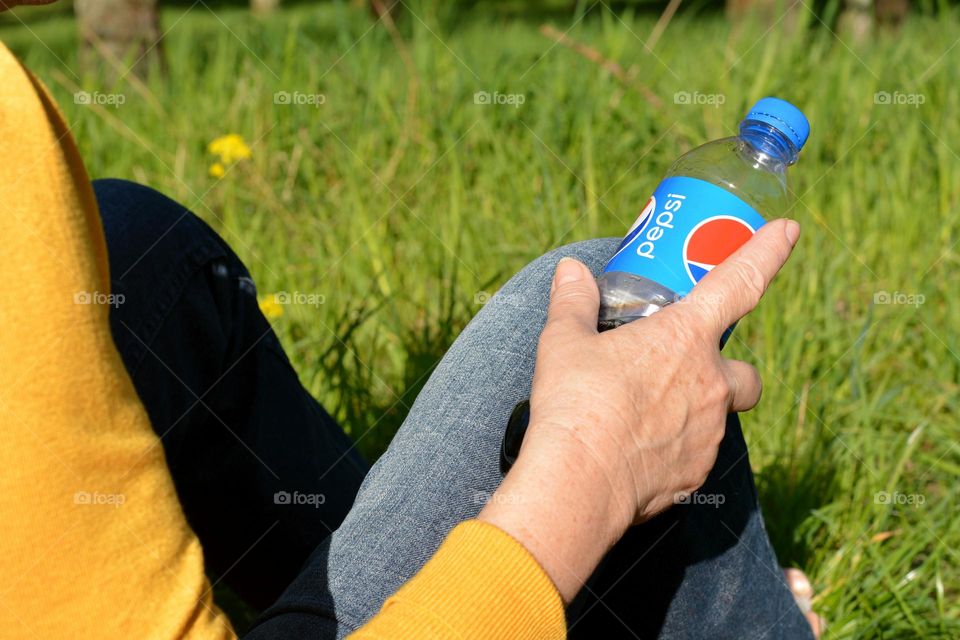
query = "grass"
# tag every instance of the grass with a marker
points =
(404, 203)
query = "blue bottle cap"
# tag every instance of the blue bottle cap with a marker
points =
(782, 116)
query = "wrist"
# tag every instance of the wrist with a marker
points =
(590, 474)
(562, 506)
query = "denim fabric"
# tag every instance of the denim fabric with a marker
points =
(236, 425)
(700, 570)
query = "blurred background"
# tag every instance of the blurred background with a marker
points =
(382, 167)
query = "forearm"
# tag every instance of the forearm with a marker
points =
(559, 503)
(479, 584)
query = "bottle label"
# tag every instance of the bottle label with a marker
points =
(688, 227)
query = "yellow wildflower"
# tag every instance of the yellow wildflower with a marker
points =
(231, 148)
(217, 170)
(270, 307)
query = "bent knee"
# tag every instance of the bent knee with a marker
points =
(595, 253)
(530, 287)
(141, 224)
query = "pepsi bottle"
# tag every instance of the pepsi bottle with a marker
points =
(712, 200)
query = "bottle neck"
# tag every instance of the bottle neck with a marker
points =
(768, 147)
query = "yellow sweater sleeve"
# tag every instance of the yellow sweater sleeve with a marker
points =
(93, 543)
(480, 584)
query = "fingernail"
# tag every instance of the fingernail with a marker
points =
(568, 270)
(804, 605)
(799, 583)
(793, 232)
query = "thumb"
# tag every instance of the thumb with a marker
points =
(574, 297)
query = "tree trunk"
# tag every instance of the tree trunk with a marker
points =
(123, 33)
(767, 12)
(856, 20)
(378, 8)
(264, 6)
(892, 13)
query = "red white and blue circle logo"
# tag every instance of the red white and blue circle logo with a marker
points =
(711, 242)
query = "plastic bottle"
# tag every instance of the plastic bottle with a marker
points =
(710, 202)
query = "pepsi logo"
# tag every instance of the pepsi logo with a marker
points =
(711, 242)
(646, 215)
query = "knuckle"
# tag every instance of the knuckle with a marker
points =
(752, 280)
(560, 328)
(703, 469)
(713, 315)
(718, 434)
(757, 384)
(700, 312)
(571, 297)
(717, 389)
(782, 248)
(683, 337)
(567, 295)
(757, 380)
(750, 374)
(554, 330)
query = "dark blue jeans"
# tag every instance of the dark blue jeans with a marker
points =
(241, 436)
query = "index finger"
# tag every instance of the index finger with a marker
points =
(734, 287)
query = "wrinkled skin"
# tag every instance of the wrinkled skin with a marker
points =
(624, 422)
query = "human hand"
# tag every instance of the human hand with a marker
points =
(623, 421)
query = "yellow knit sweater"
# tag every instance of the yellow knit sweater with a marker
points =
(93, 542)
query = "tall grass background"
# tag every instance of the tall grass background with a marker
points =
(405, 204)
